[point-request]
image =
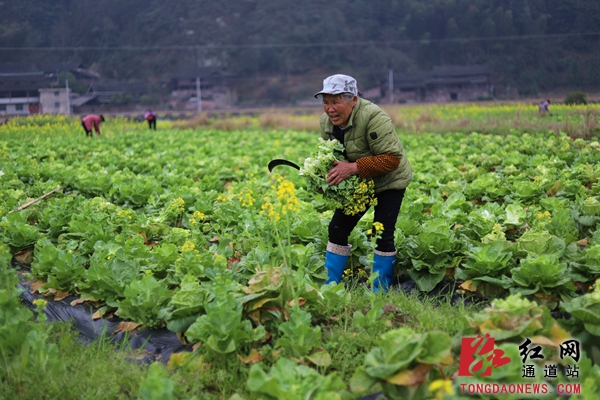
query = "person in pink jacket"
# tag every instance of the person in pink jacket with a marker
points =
(90, 122)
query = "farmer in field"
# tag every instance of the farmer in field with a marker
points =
(544, 107)
(90, 122)
(374, 151)
(151, 118)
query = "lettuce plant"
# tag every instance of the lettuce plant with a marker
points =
(562, 225)
(515, 215)
(515, 318)
(186, 305)
(288, 380)
(143, 299)
(223, 328)
(526, 191)
(587, 267)
(487, 264)
(543, 273)
(539, 242)
(479, 223)
(432, 251)
(584, 321)
(111, 270)
(269, 292)
(401, 363)
(586, 310)
(62, 269)
(17, 232)
(590, 206)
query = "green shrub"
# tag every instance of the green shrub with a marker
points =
(25, 355)
(576, 98)
(148, 99)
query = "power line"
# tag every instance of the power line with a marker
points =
(284, 45)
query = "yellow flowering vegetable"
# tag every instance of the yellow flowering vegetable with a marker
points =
(353, 195)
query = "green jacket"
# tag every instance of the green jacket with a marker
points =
(371, 132)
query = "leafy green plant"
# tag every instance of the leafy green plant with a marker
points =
(85, 230)
(157, 385)
(223, 328)
(353, 195)
(432, 251)
(535, 242)
(526, 191)
(515, 215)
(17, 232)
(586, 267)
(62, 269)
(269, 292)
(142, 301)
(288, 380)
(479, 223)
(575, 98)
(373, 320)
(584, 321)
(516, 318)
(299, 338)
(543, 273)
(402, 363)
(25, 353)
(486, 187)
(186, 305)
(111, 270)
(488, 264)
(334, 297)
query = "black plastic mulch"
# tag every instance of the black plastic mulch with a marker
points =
(159, 344)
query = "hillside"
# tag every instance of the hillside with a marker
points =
(531, 46)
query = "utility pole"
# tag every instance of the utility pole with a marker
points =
(199, 94)
(68, 97)
(391, 84)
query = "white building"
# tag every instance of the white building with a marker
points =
(55, 101)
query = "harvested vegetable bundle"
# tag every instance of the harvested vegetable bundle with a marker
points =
(353, 195)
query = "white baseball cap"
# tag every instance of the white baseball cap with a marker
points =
(336, 84)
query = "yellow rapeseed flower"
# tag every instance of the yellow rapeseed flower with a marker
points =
(246, 197)
(187, 247)
(198, 214)
(286, 194)
(441, 387)
(40, 303)
(378, 226)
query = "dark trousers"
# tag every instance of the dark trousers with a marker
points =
(152, 122)
(87, 132)
(386, 212)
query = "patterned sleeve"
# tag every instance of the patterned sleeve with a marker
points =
(372, 166)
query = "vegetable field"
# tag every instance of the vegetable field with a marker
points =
(186, 229)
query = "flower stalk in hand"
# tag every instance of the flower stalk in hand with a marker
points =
(327, 171)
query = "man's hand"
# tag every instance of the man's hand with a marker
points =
(340, 171)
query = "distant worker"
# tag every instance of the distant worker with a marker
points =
(90, 122)
(544, 107)
(151, 118)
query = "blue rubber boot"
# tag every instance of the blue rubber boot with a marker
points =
(384, 265)
(335, 261)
